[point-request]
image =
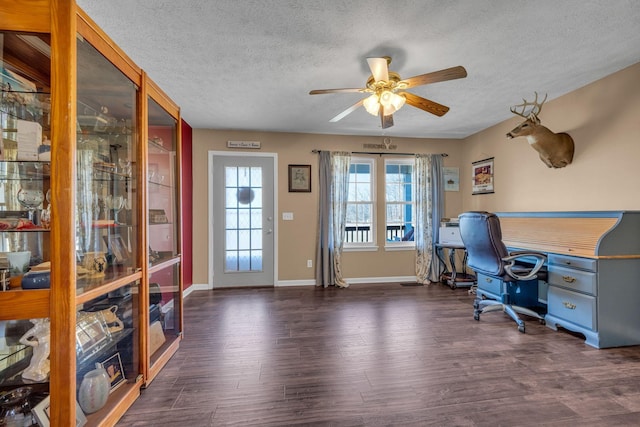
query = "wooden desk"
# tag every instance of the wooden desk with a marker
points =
(593, 270)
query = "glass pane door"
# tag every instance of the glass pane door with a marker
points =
(25, 168)
(164, 262)
(107, 330)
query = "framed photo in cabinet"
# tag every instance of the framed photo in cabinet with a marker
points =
(157, 216)
(116, 245)
(41, 412)
(113, 366)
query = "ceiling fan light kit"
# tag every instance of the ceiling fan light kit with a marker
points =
(388, 94)
(389, 101)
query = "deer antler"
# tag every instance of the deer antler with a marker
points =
(535, 107)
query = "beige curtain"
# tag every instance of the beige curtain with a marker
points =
(429, 209)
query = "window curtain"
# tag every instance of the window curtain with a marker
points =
(334, 192)
(429, 210)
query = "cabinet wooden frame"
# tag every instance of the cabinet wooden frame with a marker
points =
(66, 23)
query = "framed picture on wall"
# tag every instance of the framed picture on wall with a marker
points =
(482, 176)
(451, 179)
(300, 178)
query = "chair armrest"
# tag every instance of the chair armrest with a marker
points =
(531, 273)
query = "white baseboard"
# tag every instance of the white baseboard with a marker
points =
(305, 282)
(195, 287)
(351, 281)
(360, 280)
(312, 282)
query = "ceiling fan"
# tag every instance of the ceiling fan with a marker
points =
(388, 93)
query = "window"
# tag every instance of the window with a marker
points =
(360, 225)
(399, 201)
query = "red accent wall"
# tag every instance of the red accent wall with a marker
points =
(187, 206)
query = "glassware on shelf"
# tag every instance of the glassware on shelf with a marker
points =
(30, 197)
(15, 409)
(45, 214)
(124, 168)
(115, 204)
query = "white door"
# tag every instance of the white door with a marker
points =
(242, 232)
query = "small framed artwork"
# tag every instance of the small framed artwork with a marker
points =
(157, 216)
(113, 366)
(482, 174)
(451, 179)
(42, 413)
(300, 178)
(117, 247)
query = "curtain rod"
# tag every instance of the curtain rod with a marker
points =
(385, 153)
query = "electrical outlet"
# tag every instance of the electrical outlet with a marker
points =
(309, 263)
(287, 216)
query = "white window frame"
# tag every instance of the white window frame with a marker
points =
(367, 246)
(399, 246)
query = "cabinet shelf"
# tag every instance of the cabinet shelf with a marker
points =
(163, 263)
(19, 170)
(26, 105)
(91, 289)
(160, 184)
(24, 304)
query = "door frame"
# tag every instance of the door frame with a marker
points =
(274, 159)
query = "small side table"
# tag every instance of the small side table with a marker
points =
(452, 277)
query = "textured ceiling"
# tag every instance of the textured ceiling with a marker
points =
(250, 64)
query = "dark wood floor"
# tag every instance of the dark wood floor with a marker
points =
(380, 355)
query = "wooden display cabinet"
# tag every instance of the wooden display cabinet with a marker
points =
(82, 127)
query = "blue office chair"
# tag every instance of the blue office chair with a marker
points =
(488, 256)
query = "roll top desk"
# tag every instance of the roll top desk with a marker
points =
(593, 270)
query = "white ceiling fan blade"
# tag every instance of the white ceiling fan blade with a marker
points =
(346, 112)
(379, 68)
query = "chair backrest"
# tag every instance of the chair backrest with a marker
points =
(482, 238)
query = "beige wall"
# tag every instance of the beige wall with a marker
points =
(602, 118)
(297, 238)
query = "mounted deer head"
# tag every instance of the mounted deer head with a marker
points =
(555, 149)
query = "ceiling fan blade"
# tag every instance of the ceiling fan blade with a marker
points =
(387, 121)
(437, 76)
(425, 104)
(379, 68)
(345, 90)
(346, 112)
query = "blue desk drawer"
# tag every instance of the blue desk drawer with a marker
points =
(490, 285)
(573, 262)
(572, 306)
(571, 278)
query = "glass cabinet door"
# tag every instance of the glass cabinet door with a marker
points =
(163, 231)
(107, 231)
(25, 156)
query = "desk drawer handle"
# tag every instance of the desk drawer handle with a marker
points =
(568, 279)
(569, 305)
(488, 280)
